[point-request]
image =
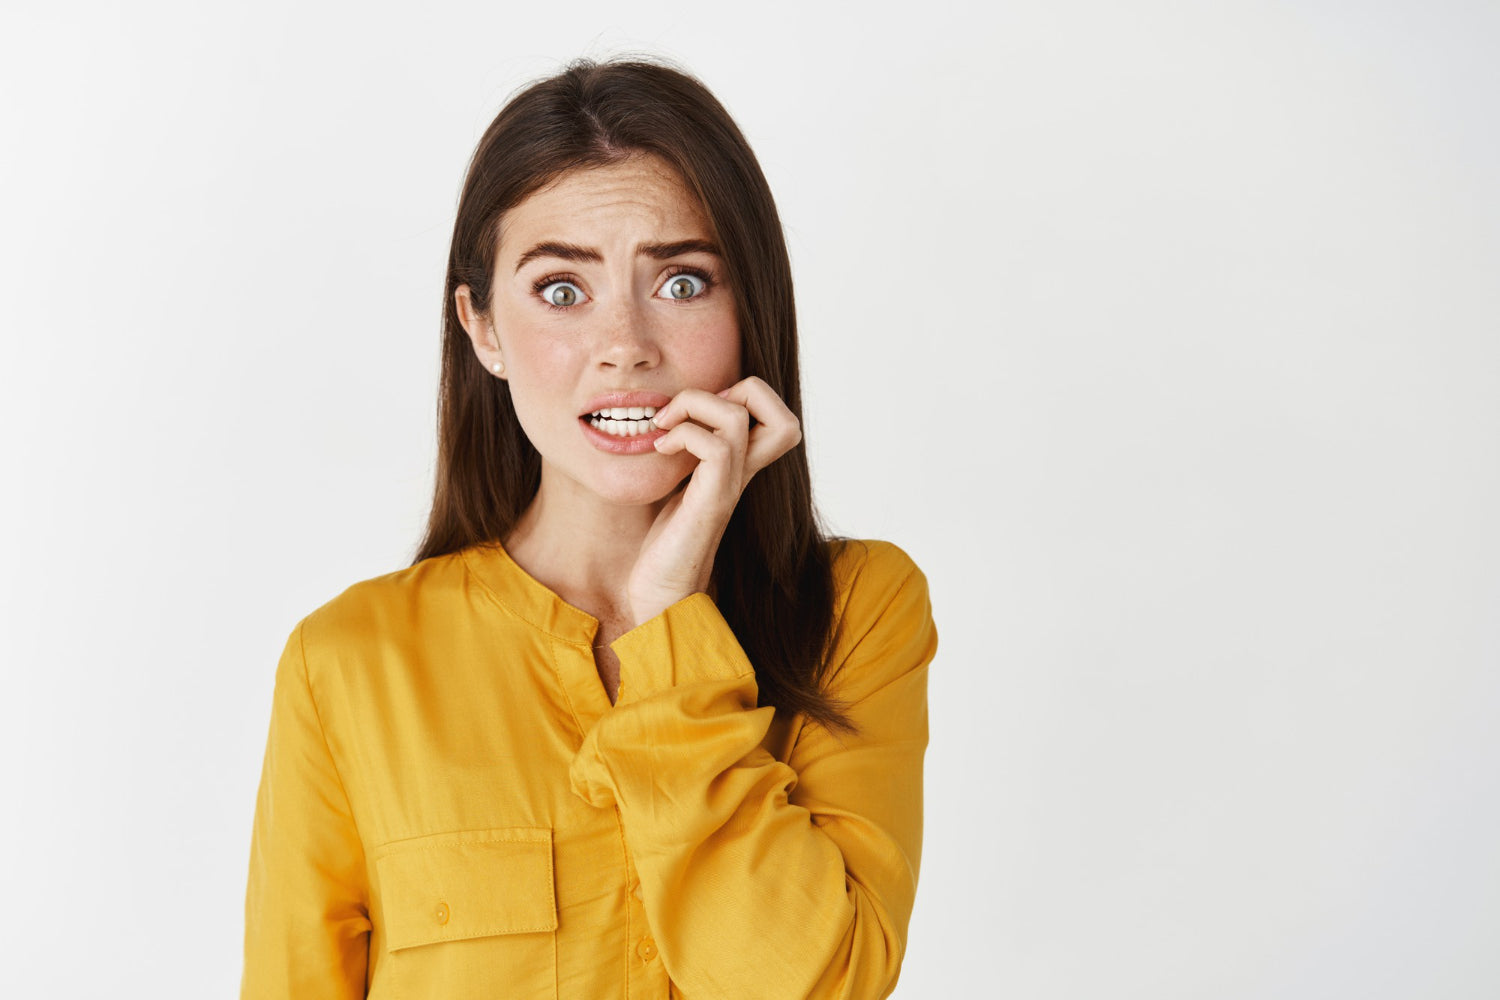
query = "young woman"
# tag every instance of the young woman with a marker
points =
(631, 725)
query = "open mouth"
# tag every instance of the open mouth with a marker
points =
(622, 421)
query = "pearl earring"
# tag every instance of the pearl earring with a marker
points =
(497, 367)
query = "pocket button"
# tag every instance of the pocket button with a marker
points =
(441, 913)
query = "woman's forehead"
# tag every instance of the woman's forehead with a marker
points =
(643, 194)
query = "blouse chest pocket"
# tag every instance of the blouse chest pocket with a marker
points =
(470, 913)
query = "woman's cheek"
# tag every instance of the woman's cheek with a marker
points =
(715, 350)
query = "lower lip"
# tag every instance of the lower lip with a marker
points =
(637, 445)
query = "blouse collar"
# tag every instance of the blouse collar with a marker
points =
(527, 598)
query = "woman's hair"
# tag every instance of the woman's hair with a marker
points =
(772, 576)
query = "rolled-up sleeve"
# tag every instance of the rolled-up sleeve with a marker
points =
(762, 877)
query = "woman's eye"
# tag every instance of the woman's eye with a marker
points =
(683, 286)
(561, 293)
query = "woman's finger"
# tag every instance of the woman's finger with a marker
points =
(718, 473)
(777, 429)
(720, 416)
(713, 411)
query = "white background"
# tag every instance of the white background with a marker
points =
(1164, 336)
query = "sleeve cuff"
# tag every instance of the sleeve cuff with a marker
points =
(688, 642)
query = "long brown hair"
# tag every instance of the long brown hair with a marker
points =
(772, 576)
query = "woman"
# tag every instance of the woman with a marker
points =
(630, 725)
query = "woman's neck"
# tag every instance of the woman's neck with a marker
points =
(580, 546)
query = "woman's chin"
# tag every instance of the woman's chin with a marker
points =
(641, 479)
(620, 481)
(640, 490)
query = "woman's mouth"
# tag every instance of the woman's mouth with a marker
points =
(622, 421)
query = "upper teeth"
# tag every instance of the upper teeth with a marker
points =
(625, 413)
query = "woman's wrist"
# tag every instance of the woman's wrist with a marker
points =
(649, 604)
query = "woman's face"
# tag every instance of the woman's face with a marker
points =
(607, 283)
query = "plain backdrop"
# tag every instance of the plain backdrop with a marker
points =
(1165, 337)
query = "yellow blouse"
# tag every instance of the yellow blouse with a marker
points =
(450, 806)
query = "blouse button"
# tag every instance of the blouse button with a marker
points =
(441, 913)
(646, 949)
(636, 892)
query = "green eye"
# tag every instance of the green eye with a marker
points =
(561, 293)
(684, 286)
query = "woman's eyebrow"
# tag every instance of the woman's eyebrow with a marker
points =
(567, 251)
(666, 251)
(588, 255)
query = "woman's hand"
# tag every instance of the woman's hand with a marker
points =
(677, 557)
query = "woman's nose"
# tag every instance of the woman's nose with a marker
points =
(626, 341)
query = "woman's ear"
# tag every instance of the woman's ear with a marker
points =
(481, 332)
